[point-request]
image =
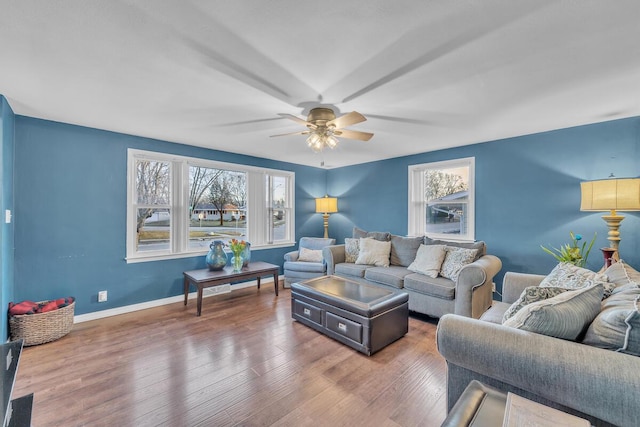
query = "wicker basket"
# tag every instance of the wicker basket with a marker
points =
(40, 328)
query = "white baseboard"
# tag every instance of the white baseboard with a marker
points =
(156, 303)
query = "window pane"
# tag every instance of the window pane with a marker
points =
(152, 182)
(446, 218)
(217, 206)
(154, 229)
(279, 208)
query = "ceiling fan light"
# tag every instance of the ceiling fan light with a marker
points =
(331, 141)
(314, 139)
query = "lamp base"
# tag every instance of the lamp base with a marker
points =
(613, 236)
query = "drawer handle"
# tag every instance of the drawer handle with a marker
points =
(306, 312)
(342, 327)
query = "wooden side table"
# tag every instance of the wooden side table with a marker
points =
(206, 278)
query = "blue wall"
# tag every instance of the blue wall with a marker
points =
(70, 215)
(527, 192)
(6, 202)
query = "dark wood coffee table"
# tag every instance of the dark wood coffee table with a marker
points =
(206, 278)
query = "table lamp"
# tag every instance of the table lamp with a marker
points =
(613, 194)
(326, 205)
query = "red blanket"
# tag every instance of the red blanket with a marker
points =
(30, 307)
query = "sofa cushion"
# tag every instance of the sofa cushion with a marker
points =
(530, 295)
(496, 312)
(310, 255)
(383, 236)
(351, 249)
(454, 260)
(564, 316)
(438, 287)
(428, 260)
(622, 273)
(374, 252)
(390, 276)
(480, 246)
(347, 269)
(311, 267)
(617, 326)
(569, 276)
(404, 249)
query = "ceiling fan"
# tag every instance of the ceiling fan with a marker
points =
(324, 128)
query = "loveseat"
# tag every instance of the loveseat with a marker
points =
(599, 384)
(467, 291)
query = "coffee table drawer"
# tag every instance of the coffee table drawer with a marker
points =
(344, 327)
(308, 311)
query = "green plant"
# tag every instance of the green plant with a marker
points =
(572, 253)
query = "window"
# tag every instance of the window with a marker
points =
(178, 205)
(441, 199)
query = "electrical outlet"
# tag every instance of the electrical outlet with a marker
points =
(493, 286)
(102, 296)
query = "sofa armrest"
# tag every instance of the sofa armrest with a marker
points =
(291, 256)
(333, 254)
(549, 370)
(473, 289)
(514, 283)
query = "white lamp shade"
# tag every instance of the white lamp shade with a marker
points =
(611, 194)
(327, 204)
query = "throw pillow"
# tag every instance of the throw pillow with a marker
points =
(622, 273)
(564, 316)
(617, 326)
(530, 295)
(480, 245)
(351, 249)
(374, 252)
(428, 260)
(404, 249)
(383, 236)
(569, 276)
(454, 260)
(310, 255)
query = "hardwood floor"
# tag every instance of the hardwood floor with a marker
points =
(243, 362)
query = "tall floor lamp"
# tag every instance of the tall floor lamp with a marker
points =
(614, 194)
(326, 205)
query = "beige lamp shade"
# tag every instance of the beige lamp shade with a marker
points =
(611, 195)
(327, 204)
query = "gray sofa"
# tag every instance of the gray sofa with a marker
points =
(600, 385)
(470, 295)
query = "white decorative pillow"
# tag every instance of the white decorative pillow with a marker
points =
(351, 249)
(570, 276)
(564, 316)
(622, 273)
(428, 260)
(454, 260)
(310, 255)
(374, 252)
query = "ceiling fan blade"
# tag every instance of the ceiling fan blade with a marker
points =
(297, 120)
(347, 120)
(353, 134)
(304, 132)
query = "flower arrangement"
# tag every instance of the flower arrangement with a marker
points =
(572, 253)
(237, 246)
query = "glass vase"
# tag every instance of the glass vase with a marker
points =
(216, 259)
(236, 262)
(246, 255)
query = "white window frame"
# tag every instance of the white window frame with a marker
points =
(258, 205)
(417, 202)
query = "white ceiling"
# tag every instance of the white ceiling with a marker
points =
(427, 74)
